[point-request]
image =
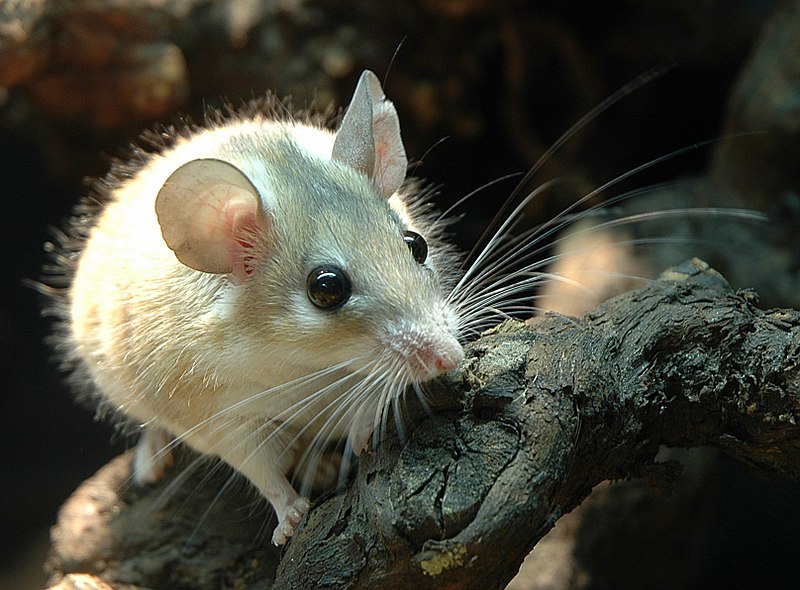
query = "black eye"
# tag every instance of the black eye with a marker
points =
(328, 287)
(417, 245)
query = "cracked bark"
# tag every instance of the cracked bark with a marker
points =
(536, 415)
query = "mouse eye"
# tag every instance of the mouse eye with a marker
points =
(328, 287)
(417, 244)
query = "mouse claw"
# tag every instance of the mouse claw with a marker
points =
(361, 431)
(152, 456)
(289, 520)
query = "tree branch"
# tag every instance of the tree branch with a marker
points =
(535, 417)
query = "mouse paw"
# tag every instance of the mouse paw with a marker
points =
(289, 520)
(152, 457)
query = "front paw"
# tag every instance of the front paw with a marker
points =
(289, 520)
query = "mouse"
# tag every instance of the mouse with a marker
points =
(257, 288)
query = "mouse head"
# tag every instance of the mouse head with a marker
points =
(357, 279)
(209, 210)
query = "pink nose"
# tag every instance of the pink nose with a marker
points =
(426, 355)
(444, 364)
(447, 360)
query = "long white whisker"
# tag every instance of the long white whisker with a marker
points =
(545, 230)
(481, 300)
(342, 408)
(607, 103)
(333, 409)
(283, 388)
(511, 220)
(449, 211)
(521, 246)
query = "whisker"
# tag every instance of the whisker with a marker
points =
(633, 85)
(449, 211)
(346, 407)
(333, 413)
(511, 220)
(282, 389)
(484, 295)
(558, 222)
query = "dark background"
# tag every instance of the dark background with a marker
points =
(460, 58)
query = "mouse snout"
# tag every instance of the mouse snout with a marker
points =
(433, 357)
(447, 357)
(425, 353)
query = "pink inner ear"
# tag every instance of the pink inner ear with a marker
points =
(246, 233)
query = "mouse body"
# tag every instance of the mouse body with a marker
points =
(261, 287)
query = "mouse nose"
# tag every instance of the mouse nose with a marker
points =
(426, 352)
(437, 356)
(448, 359)
(444, 364)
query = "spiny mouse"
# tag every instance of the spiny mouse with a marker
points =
(261, 286)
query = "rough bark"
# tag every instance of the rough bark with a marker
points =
(534, 418)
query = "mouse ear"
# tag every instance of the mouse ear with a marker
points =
(369, 137)
(210, 217)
